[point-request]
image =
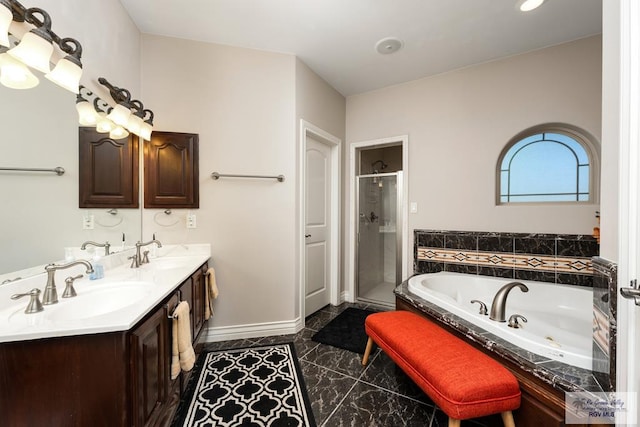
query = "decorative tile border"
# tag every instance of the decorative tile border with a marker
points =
(605, 286)
(500, 259)
(563, 259)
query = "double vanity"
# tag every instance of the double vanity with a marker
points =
(102, 357)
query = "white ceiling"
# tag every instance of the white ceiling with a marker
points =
(337, 38)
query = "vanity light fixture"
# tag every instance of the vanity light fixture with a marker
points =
(111, 120)
(36, 47)
(129, 114)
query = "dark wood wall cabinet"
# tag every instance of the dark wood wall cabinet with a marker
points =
(171, 170)
(109, 379)
(108, 170)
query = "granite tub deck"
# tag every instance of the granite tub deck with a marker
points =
(559, 375)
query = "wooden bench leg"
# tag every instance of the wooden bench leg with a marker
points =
(507, 419)
(453, 422)
(367, 352)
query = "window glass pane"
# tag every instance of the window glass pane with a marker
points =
(583, 176)
(545, 167)
(504, 183)
(574, 145)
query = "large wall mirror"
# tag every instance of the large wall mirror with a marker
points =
(39, 216)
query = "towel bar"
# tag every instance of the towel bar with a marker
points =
(173, 315)
(58, 170)
(216, 176)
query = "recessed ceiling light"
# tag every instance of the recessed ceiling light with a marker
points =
(389, 45)
(528, 5)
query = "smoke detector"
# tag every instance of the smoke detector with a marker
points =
(389, 45)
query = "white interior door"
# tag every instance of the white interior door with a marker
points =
(317, 225)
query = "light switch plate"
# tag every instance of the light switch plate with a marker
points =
(413, 207)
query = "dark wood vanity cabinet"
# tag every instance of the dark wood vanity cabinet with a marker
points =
(108, 170)
(109, 379)
(171, 171)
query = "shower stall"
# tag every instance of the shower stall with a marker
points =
(379, 237)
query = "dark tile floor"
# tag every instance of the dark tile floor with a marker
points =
(343, 392)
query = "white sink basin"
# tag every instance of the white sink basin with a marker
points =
(96, 302)
(91, 301)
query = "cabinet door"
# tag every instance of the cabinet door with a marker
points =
(198, 281)
(108, 170)
(171, 170)
(150, 359)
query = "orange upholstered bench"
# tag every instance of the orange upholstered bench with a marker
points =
(464, 382)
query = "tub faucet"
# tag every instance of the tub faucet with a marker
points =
(500, 300)
(50, 294)
(138, 256)
(104, 245)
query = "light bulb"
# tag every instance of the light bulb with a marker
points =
(120, 115)
(103, 124)
(66, 74)
(6, 17)
(118, 133)
(87, 116)
(145, 131)
(15, 75)
(529, 5)
(34, 50)
(134, 124)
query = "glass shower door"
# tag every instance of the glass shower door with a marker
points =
(379, 237)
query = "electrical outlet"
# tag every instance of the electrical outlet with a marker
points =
(88, 222)
(191, 221)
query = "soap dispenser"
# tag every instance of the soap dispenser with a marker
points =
(98, 268)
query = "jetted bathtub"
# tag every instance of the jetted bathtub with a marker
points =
(559, 317)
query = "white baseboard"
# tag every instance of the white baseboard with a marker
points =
(256, 330)
(346, 296)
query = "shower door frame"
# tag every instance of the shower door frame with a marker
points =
(354, 148)
(399, 226)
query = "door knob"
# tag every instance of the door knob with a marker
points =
(306, 236)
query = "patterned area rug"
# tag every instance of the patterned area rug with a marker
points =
(257, 386)
(346, 331)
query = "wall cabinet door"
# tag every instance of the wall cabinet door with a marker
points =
(108, 170)
(171, 170)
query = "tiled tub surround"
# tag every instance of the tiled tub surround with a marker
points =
(605, 286)
(554, 258)
(559, 375)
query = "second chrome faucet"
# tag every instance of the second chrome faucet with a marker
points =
(137, 259)
(500, 300)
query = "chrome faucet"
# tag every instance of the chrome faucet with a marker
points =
(138, 260)
(50, 294)
(104, 245)
(500, 300)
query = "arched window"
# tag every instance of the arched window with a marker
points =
(548, 163)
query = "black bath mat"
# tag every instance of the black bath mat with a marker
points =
(345, 331)
(257, 386)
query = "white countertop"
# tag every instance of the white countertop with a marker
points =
(114, 303)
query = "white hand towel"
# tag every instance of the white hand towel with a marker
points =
(211, 293)
(183, 356)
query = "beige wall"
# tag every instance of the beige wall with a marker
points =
(242, 104)
(459, 122)
(321, 105)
